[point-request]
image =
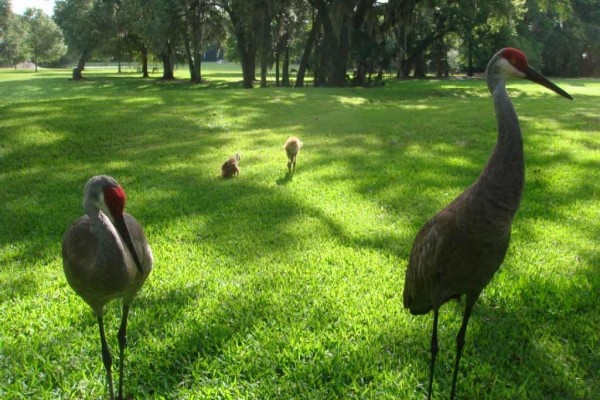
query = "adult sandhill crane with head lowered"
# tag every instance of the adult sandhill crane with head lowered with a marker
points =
(106, 256)
(458, 251)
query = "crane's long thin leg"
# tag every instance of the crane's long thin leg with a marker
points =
(434, 350)
(122, 344)
(106, 358)
(460, 338)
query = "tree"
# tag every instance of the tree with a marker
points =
(202, 23)
(245, 16)
(12, 35)
(160, 29)
(339, 20)
(559, 33)
(5, 13)
(308, 46)
(87, 25)
(43, 37)
(289, 28)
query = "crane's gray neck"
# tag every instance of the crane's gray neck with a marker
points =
(109, 241)
(503, 176)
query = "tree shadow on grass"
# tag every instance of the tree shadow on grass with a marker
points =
(506, 354)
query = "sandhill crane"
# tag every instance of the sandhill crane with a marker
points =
(231, 167)
(106, 256)
(459, 250)
(292, 148)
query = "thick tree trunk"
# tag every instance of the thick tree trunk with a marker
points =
(196, 73)
(167, 60)
(420, 70)
(248, 60)
(80, 65)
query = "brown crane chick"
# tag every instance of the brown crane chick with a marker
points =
(292, 148)
(106, 256)
(230, 168)
(458, 251)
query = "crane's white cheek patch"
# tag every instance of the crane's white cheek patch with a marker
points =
(508, 69)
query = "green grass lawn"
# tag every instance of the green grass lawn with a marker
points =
(266, 287)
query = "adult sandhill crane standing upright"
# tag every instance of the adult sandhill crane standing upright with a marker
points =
(106, 256)
(292, 148)
(459, 250)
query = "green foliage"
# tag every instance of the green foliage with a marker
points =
(12, 46)
(43, 38)
(271, 287)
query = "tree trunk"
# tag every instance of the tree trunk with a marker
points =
(336, 48)
(310, 41)
(248, 60)
(277, 68)
(80, 65)
(196, 73)
(249, 69)
(420, 70)
(263, 72)
(339, 21)
(188, 54)
(265, 48)
(145, 62)
(470, 59)
(285, 80)
(167, 60)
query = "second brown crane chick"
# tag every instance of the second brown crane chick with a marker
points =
(230, 168)
(292, 148)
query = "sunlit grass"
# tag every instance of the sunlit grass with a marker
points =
(271, 287)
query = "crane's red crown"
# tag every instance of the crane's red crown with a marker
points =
(114, 197)
(516, 58)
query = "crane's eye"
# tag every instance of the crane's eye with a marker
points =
(513, 61)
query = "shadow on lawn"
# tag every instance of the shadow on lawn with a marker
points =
(513, 352)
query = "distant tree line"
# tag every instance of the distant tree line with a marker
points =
(339, 42)
(33, 36)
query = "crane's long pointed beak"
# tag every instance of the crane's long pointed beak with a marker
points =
(537, 77)
(124, 232)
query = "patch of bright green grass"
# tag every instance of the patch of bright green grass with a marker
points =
(271, 287)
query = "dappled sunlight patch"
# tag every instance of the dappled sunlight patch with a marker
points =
(352, 101)
(36, 136)
(143, 101)
(285, 98)
(417, 107)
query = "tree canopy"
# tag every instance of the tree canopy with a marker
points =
(339, 42)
